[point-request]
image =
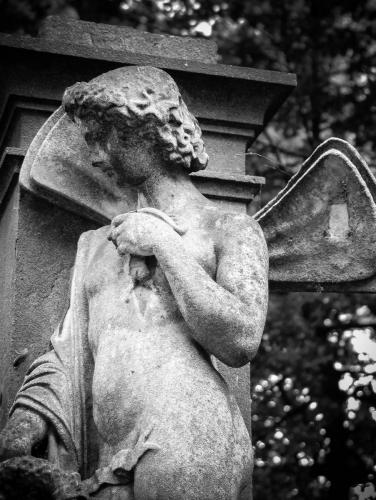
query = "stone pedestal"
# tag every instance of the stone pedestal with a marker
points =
(37, 239)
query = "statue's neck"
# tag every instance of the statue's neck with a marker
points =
(173, 193)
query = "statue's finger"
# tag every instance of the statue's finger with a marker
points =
(114, 236)
(119, 219)
(122, 249)
(109, 235)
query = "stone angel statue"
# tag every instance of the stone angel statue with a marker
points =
(128, 395)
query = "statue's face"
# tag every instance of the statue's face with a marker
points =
(131, 160)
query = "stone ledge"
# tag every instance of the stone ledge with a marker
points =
(235, 96)
(122, 38)
(240, 188)
(235, 178)
(286, 82)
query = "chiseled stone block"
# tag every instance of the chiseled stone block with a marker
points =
(128, 39)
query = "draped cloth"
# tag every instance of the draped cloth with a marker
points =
(58, 385)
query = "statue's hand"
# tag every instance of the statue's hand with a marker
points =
(11, 446)
(138, 233)
(22, 432)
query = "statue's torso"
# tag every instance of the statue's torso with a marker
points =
(149, 372)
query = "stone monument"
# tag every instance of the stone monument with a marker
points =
(154, 295)
(173, 289)
(41, 222)
(69, 181)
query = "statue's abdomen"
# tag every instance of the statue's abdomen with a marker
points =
(149, 372)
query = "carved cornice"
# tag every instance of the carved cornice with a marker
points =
(244, 97)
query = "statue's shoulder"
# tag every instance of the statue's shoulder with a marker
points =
(94, 235)
(233, 224)
(89, 241)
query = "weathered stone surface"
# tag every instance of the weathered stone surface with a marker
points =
(128, 39)
(179, 280)
(318, 226)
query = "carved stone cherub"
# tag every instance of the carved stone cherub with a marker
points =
(128, 395)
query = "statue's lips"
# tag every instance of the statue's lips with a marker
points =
(104, 167)
(100, 164)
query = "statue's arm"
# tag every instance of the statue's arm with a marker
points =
(24, 429)
(226, 315)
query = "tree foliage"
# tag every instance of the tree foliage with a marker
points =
(314, 397)
(314, 418)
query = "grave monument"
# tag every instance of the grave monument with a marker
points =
(174, 290)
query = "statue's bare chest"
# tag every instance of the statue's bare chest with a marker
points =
(107, 269)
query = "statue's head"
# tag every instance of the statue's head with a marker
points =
(139, 104)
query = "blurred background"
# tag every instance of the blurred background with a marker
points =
(314, 390)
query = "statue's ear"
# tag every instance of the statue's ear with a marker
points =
(57, 167)
(321, 227)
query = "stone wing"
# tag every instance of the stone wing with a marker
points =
(57, 167)
(321, 227)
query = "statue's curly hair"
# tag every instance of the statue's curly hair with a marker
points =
(145, 98)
